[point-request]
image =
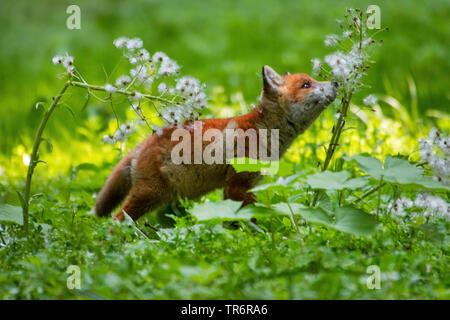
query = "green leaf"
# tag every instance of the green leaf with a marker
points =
(397, 171)
(21, 199)
(254, 165)
(86, 166)
(334, 181)
(224, 210)
(281, 184)
(371, 165)
(49, 144)
(316, 215)
(400, 171)
(348, 219)
(10, 213)
(355, 221)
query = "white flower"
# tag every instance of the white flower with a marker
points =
(139, 72)
(133, 60)
(331, 40)
(110, 88)
(433, 205)
(339, 64)
(162, 88)
(367, 42)
(434, 135)
(168, 67)
(123, 81)
(140, 120)
(136, 96)
(317, 66)
(119, 135)
(438, 161)
(126, 128)
(159, 57)
(108, 139)
(68, 62)
(157, 129)
(337, 115)
(57, 59)
(143, 55)
(187, 85)
(120, 42)
(347, 34)
(134, 43)
(370, 100)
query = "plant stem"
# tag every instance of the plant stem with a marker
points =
(34, 155)
(124, 92)
(292, 213)
(1, 237)
(369, 192)
(379, 197)
(337, 130)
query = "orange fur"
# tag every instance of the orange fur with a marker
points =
(149, 179)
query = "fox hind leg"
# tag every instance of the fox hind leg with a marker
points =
(238, 184)
(142, 199)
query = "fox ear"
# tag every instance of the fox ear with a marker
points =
(271, 81)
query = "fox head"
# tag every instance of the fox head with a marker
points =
(298, 97)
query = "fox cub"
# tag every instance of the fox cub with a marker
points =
(148, 177)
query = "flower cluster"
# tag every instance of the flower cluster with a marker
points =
(424, 205)
(435, 150)
(66, 61)
(119, 135)
(370, 100)
(184, 97)
(351, 60)
(153, 77)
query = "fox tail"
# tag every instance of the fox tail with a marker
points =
(116, 187)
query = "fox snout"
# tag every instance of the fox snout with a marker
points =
(324, 92)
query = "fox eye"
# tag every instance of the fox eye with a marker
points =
(306, 85)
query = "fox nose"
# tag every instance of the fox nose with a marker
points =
(335, 84)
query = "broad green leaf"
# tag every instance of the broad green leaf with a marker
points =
(398, 171)
(371, 165)
(355, 221)
(334, 181)
(224, 210)
(317, 215)
(348, 219)
(281, 184)
(254, 165)
(86, 166)
(10, 213)
(256, 209)
(402, 172)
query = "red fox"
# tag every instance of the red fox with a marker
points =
(149, 178)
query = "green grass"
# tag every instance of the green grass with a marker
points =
(224, 44)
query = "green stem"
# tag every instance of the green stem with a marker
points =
(34, 154)
(3, 239)
(334, 139)
(379, 196)
(369, 192)
(124, 92)
(292, 213)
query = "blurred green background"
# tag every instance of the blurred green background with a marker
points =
(223, 43)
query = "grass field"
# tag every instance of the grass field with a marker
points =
(224, 44)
